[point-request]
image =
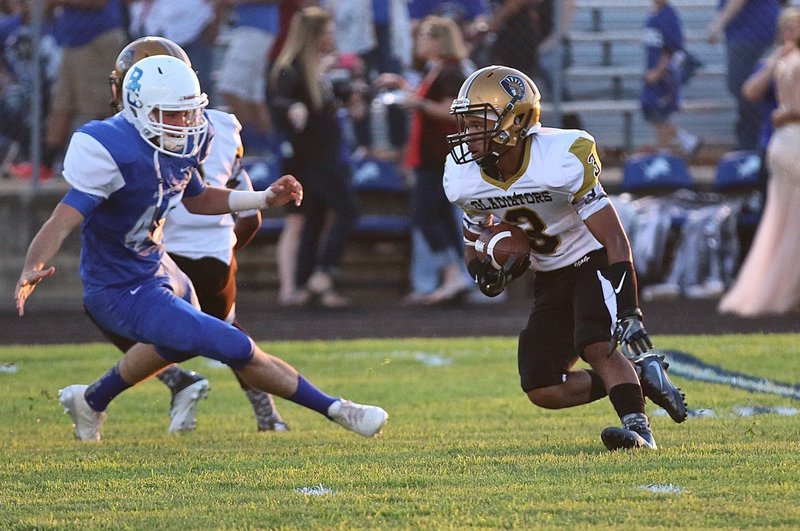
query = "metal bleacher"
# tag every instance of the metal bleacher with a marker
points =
(605, 75)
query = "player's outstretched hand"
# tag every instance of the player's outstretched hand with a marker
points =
(631, 335)
(285, 189)
(27, 283)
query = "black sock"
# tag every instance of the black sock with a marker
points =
(627, 398)
(598, 389)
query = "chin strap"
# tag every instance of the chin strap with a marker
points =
(488, 162)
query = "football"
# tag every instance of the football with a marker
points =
(501, 242)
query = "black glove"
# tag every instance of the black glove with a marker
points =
(517, 266)
(630, 334)
(493, 281)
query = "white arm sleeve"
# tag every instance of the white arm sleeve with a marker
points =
(243, 182)
(89, 167)
(240, 200)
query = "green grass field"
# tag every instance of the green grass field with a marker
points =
(463, 447)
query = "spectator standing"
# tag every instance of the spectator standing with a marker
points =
(379, 31)
(749, 27)
(440, 45)
(760, 86)
(471, 15)
(17, 87)
(553, 54)
(91, 34)
(533, 34)
(242, 77)
(286, 11)
(661, 89)
(306, 110)
(517, 29)
(769, 279)
(191, 24)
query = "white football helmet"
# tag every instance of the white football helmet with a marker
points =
(159, 84)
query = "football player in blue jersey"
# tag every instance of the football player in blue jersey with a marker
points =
(126, 173)
(202, 246)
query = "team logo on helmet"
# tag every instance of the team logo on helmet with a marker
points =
(514, 87)
(134, 87)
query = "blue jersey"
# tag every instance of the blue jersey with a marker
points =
(77, 26)
(262, 16)
(124, 188)
(757, 22)
(663, 35)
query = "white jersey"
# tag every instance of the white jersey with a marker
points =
(199, 236)
(556, 189)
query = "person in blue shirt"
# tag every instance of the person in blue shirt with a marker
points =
(17, 92)
(759, 88)
(126, 173)
(661, 92)
(750, 28)
(462, 9)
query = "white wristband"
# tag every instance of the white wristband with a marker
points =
(239, 200)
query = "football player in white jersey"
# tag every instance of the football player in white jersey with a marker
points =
(202, 246)
(126, 173)
(504, 165)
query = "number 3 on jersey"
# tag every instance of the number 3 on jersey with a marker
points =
(541, 242)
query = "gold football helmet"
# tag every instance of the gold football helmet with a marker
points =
(506, 100)
(135, 52)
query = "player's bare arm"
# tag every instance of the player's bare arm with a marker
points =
(214, 200)
(43, 248)
(629, 331)
(246, 228)
(606, 227)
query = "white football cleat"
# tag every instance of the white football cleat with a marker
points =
(86, 420)
(183, 411)
(364, 420)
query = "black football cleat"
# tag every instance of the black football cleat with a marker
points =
(635, 433)
(656, 385)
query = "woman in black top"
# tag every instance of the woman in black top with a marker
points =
(306, 110)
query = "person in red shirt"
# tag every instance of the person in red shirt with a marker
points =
(439, 43)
